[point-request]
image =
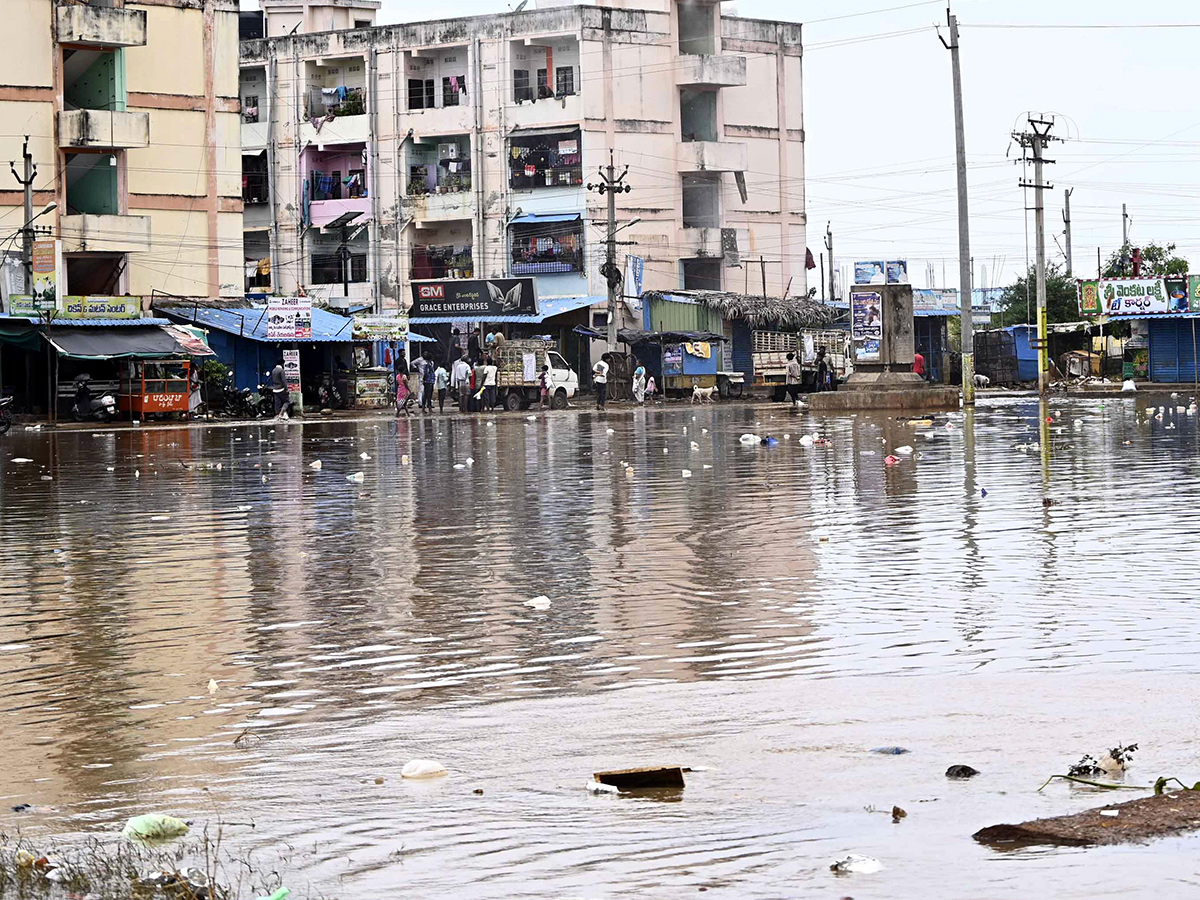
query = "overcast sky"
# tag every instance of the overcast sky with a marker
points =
(880, 128)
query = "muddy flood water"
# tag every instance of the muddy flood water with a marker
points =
(771, 619)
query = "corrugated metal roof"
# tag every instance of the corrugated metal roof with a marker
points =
(538, 218)
(93, 323)
(252, 323)
(554, 306)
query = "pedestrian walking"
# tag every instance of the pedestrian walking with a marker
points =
(441, 381)
(490, 371)
(546, 383)
(400, 375)
(651, 389)
(824, 379)
(794, 378)
(279, 390)
(478, 371)
(639, 384)
(460, 381)
(414, 381)
(600, 379)
(428, 380)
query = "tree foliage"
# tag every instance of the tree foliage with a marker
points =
(1157, 261)
(1062, 304)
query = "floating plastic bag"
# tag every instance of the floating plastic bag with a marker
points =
(155, 827)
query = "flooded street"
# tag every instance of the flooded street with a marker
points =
(771, 619)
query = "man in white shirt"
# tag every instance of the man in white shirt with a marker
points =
(600, 379)
(489, 383)
(460, 380)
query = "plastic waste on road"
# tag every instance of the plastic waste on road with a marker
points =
(155, 827)
(357, 477)
(315, 465)
(890, 460)
(423, 768)
(542, 602)
(853, 864)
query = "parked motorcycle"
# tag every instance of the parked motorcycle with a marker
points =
(103, 408)
(6, 414)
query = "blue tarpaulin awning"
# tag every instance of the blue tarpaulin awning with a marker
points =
(540, 218)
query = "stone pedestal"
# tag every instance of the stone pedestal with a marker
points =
(884, 379)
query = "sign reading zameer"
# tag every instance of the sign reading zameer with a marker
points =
(474, 299)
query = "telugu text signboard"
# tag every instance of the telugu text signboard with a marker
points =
(474, 299)
(1135, 296)
(866, 324)
(289, 318)
(101, 308)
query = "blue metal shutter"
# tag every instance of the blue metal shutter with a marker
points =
(1186, 350)
(1164, 350)
(743, 350)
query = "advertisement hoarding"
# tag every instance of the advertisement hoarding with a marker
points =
(866, 324)
(474, 299)
(1136, 296)
(379, 328)
(289, 318)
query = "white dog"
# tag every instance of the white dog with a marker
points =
(982, 381)
(704, 395)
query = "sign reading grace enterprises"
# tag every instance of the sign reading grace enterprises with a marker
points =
(1140, 296)
(474, 299)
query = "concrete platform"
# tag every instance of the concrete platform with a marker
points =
(920, 399)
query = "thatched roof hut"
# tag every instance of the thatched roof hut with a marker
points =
(790, 314)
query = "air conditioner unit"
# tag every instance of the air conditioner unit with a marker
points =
(447, 151)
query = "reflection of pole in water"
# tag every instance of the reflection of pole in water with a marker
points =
(1044, 438)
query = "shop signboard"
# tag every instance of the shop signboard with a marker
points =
(1136, 296)
(672, 360)
(26, 305)
(101, 308)
(474, 298)
(47, 263)
(866, 324)
(289, 318)
(1194, 293)
(291, 370)
(379, 328)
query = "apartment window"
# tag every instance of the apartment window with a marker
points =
(521, 89)
(546, 248)
(362, 23)
(327, 268)
(420, 94)
(564, 81)
(250, 108)
(697, 26)
(545, 160)
(453, 87)
(543, 84)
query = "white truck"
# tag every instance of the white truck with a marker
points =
(517, 384)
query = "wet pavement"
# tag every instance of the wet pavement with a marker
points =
(770, 618)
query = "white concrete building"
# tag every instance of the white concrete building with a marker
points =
(462, 148)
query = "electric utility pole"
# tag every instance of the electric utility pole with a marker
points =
(1124, 228)
(612, 185)
(829, 247)
(1035, 140)
(27, 228)
(1067, 223)
(966, 328)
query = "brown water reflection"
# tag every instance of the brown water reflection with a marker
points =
(753, 618)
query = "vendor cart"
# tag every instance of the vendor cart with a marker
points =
(155, 387)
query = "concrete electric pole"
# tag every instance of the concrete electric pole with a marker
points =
(611, 185)
(27, 229)
(1067, 224)
(966, 328)
(829, 247)
(1035, 140)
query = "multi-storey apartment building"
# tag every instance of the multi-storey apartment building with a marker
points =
(131, 113)
(379, 156)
